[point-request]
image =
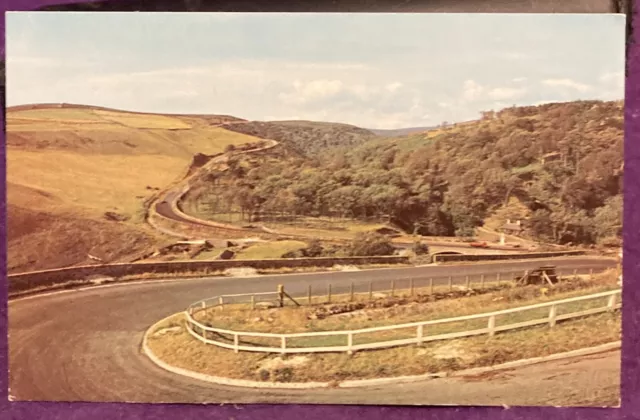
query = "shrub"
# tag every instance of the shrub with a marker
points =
(420, 248)
(264, 375)
(371, 244)
(284, 374)
(314, 249)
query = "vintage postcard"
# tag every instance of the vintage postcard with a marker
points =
(406, 209)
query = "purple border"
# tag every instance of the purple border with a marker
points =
(631, 319)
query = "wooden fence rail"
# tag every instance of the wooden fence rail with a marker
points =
(203, 332)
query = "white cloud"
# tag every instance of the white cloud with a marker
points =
(317, 89)
(472, 91)
(569, 83)
(393, 87)
(506, 93)
(615, 78)
(546, 101)
(519, 79)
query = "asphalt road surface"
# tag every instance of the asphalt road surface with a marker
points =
(84, 345)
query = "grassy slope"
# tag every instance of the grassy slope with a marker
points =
(180, 349)
(66, 167)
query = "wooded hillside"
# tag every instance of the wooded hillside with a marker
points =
(556, 166)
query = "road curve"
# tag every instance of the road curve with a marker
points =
(84, 345)
(167, 203)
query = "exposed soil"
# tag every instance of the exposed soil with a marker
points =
(39, 240)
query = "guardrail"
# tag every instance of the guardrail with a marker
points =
(495, 257)
(409, 333)
(35, 279)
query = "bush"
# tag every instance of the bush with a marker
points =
(284, 374)
(314, 249)
(370, 244)
(420, 248)
(264, 375)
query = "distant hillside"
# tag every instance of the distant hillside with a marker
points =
(399, 131)
(208, 117)
(307, 137)
(558, 167)
(73, 171)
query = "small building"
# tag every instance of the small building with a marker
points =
(512, 228)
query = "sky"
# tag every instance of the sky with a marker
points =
(381, 71)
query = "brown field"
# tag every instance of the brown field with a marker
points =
(67, 166)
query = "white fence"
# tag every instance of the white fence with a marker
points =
(415, 332)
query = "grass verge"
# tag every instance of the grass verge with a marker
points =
(173, 344)
(382, 309)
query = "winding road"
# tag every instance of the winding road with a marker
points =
(84, 345)
(167, 206)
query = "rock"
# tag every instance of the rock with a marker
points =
(270, 320)
(115, 217)
(226, 255)
(379, 295)
(257, 319)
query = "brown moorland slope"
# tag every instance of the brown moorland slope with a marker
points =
(78, 177)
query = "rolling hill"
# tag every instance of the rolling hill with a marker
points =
(306, 137)
(558, 167)
(77, 178)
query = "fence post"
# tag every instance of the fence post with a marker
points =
(204, 305)
(467, 282)
(420, 334)
(351, 297)
(253, 302)
(393, 287)
(309, 294)
(498, 278)
(591, 274)
(411, 286)
(281, 295)
(235, 343)
(552, 315)
(283, 343)
(431, 285)
(492, 325)
(611, 302)
(349, 343)
(575, 274)
(329, 294)
(221, 301)
(450, 283)
(482, 281)
(370, 290)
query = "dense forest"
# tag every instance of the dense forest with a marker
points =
(305, 137)
(562, 163)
